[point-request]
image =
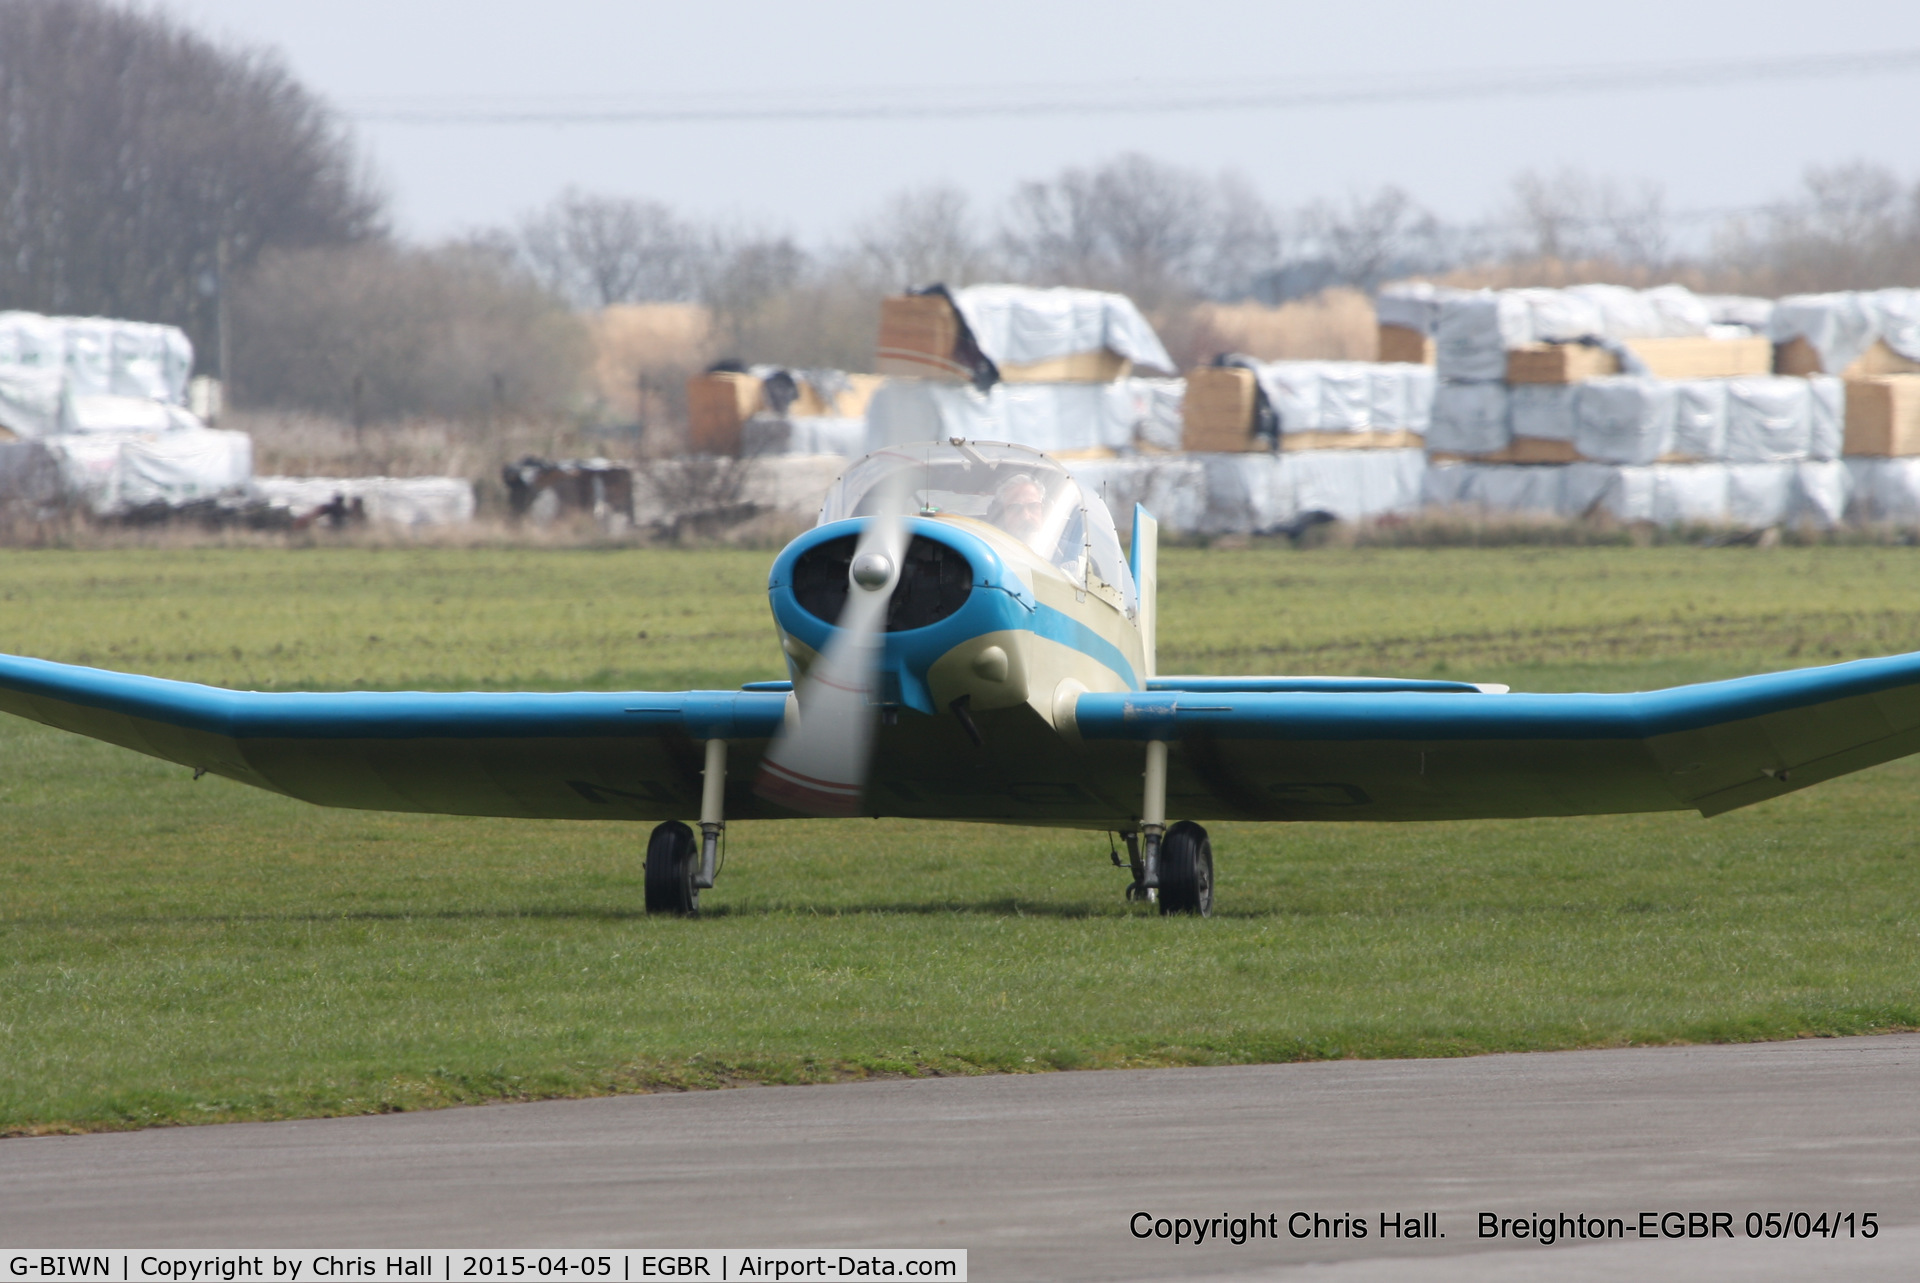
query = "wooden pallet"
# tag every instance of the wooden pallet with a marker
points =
(1518, 450)
(1883, 415)
(717, 404)
(1704, 358)
(1217, 413)
(1081, 367)
(918, 335)
(1799, 357)
(1680, 358)
(1559, 363)
(1398, 343)
(1365, 440)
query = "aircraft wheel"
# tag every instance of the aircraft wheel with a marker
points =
(671, 854)
(1186, 870)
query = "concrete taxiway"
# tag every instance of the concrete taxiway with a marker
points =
(1040, 1176)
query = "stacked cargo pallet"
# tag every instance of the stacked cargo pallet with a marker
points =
(1049, 368)
(1270, 441)
(1666, 405)
(1871, 341)
(767, 409)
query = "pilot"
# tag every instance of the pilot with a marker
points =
(1020, 507)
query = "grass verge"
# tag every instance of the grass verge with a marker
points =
(176, 952)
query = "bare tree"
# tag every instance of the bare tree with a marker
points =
(1569, 216)
(1152, 230)
(377, 333)
(599, 250)
(137, 159)
(739, 273)
(921, 237)
(1854, 226)
(1371, 238)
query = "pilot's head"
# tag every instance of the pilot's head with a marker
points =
(1019, 507)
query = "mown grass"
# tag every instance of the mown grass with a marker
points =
(181, 952)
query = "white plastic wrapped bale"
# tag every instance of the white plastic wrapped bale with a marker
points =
(1158, 405)
(1778, 419)
(1173, 488)
(1068, 418)
(1667, 494)
(400, 501)
(1566, 316)
(1346, 396)
(1746, 495)
(1469, 418)
(127, 358)
(34, 402)
(1699, 419)
(1842, 326)
(110, 473)
(1475, 330)
(1542, 411)
(772, 434)
(1353, 485)
(1885, 489)
(112, 413)
(33, 341)
(1060, 418)
(1822, 492)
(1624, 419)
(1754, 315)
(1495, 489)
(1664, 312)
(1252, 493)
(906, 410)
(1403, 397)
(1021, 325)
(1412, 305)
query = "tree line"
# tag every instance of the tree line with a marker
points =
(150, 173)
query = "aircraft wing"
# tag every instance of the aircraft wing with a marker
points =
(580, 755)
(1409, 751)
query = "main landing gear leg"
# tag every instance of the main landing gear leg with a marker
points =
(1172, 865)
(713, 811)
(1153, 826)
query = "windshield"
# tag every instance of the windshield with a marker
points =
(1015, 488)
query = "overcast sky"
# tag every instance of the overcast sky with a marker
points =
(1712, 147)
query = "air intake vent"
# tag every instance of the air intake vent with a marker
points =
(934, 584)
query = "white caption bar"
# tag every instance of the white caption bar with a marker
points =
(468, 1265)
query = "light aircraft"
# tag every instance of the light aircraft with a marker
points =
(965, 640)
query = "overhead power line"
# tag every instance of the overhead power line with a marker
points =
(981, 101)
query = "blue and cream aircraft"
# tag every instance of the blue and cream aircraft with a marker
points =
(965, 640)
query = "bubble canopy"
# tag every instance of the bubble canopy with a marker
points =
(1012, 487)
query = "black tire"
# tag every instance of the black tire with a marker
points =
(1186, 870)
(671, 852)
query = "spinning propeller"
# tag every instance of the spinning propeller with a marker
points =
(819, 765)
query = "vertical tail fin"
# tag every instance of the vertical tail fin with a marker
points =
(1144, 561)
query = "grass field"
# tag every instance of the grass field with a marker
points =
(180, 952)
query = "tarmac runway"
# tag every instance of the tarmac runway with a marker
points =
(1040, 1176)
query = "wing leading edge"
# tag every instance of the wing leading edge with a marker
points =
(576, 755)
(1413, 754)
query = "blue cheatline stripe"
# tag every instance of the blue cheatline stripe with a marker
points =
(395, 714)
(1412, 715)
(1058, 626)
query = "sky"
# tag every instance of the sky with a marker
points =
(1712, 146)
